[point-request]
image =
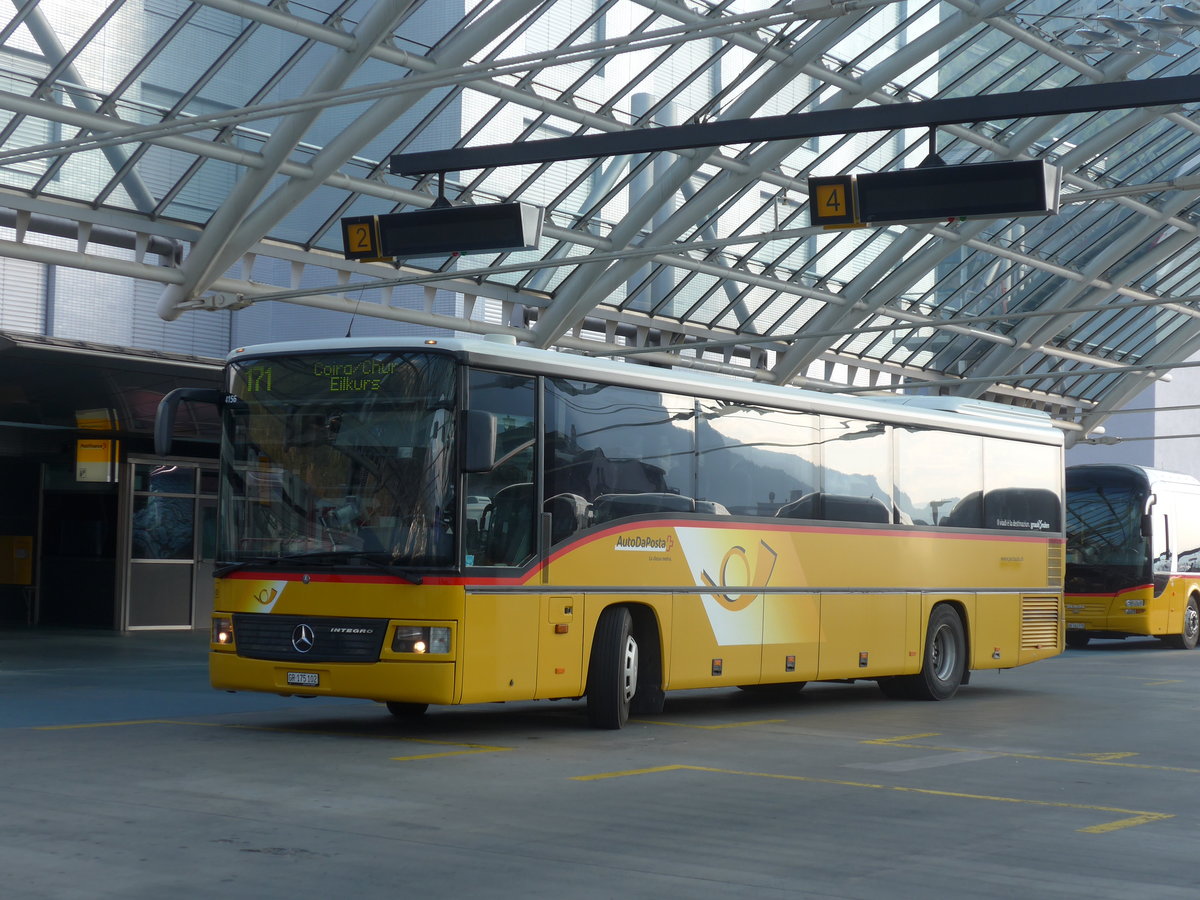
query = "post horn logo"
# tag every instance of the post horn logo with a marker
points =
(266, 596)
(764, 565)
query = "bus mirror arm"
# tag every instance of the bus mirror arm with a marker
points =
(479, 439)
(164, 419)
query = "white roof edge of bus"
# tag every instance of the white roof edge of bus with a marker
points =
(1152, 474)
(936, 411)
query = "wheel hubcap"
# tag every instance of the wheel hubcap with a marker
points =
(944, 654)
(1191, 621)
(630, 675)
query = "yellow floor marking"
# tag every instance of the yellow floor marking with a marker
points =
(1105, 757)
(1102, 759)
(709, 727)
(905, 737)
(470, 748)
(1133, 816)
(108, 724)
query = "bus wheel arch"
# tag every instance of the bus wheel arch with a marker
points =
(944, 658)
(1189, 634)
(612, 678)
(650, 696)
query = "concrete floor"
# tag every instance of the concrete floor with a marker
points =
(126, 776)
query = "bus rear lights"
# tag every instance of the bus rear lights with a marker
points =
(222, 631)
(421, 639)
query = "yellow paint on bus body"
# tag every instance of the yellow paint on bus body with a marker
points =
(734, 604)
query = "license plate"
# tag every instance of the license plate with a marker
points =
(309, 679)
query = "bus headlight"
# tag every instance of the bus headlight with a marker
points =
(421, 639)
(222, 630)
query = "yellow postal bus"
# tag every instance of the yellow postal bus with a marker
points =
(1133, 554)
(448, 521)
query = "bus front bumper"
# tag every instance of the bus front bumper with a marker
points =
(1107, 615)
(405, 681)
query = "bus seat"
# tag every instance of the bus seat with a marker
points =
(568, 514)
(509, 517)
(616, 506)
(837, 508)
(1022, 507)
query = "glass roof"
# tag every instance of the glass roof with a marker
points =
(241, 134)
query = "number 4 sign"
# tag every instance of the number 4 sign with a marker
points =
(831, 200)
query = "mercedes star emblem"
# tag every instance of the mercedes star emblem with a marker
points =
(303, 638)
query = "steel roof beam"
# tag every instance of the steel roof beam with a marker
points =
(1170, 91)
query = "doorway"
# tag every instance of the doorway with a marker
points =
(171, 541)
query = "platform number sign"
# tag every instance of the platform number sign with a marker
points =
(360, 238)
(831, 200)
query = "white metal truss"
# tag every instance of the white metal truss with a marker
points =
(700, 257)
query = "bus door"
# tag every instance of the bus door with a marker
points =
(1162, 560)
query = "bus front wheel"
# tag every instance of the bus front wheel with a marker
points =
(1188, 638)
(406, 711)
(613, 671)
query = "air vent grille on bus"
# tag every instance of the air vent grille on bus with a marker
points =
(1054, 565)
(1040, 622)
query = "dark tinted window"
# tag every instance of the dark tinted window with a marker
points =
(623, 450)
(939, 477)
(755, 460)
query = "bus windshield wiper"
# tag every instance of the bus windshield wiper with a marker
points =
(316, 557)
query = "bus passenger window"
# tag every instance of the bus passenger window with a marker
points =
(499, 509)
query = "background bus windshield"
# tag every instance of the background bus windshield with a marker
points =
(1105, 546)
(340, 453)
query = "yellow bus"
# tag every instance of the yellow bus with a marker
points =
(451, 521)
(1133, 554)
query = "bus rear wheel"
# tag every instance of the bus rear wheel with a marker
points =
(943, 666)
(1077, 639)
(1190, 636)
(613, 670)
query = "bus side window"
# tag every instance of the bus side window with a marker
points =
(500, 506)
(1160, 543)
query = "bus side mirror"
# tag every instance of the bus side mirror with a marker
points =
(1147, 525)
(164, 418)
(479, 438)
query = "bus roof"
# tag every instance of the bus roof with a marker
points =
(1145, 474)
(960, 414)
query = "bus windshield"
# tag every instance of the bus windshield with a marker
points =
(1106, 550)
(340, 454)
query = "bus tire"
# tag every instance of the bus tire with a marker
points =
(1077, 639)
(613, 670)
(1188, 638)
(650, 699)
(945, 658)
(895, 687)
(406, 711)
